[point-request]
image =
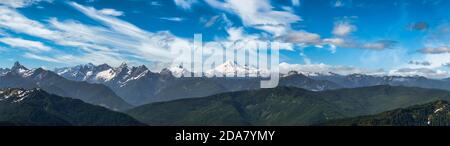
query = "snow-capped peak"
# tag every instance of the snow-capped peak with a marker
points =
(103, 73)
(88, 72)
(178, 71)
(232, 68)
(138, 72)
(18, 68)
(4, 71)
(124, 65)
(229, 64)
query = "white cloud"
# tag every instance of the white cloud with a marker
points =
(33, 46)
(437, 50)
(12, 20)
(96, 58)
(338, 3)
(437, 60)
(235, 34)
(357, 44)
(425, 72)
(118, 40)
(185, 4)
(176, 19)
(111, 12)
(258, 14)
(155, 3)
(343, 28)
(301, 37)
(127, 37)
(335, 41)
(221, 19)
(112, 22)
(112, 42)
(42, 58)
(20, 3)
(295, 2)
(306, 59)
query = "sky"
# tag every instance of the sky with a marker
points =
(395, 37)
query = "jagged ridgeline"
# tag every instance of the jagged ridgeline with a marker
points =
(284, 106)
(138, 85)
(21, 77)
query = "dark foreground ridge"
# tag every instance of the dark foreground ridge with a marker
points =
(35, 107)
(431, 114)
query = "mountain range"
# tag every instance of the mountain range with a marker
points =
(120, 88)
(361, 80)
(165, 98)
(284, 106)
(35, 107)
(139, 85)
(21, 77)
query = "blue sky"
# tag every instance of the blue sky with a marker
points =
(399, 37)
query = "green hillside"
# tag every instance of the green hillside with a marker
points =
(38, 108)
(431, 114)
(283, 106)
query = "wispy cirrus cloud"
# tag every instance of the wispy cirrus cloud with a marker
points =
(21, 3)
(176, 19)
(185, 4)
(114, 41)
(126, 35)
(42, 58)
(12, 20)
(295, 2)
(118, 40)
(259, 14)
(155, 3)
(111, 12)
(29, 45)
(218, 19)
